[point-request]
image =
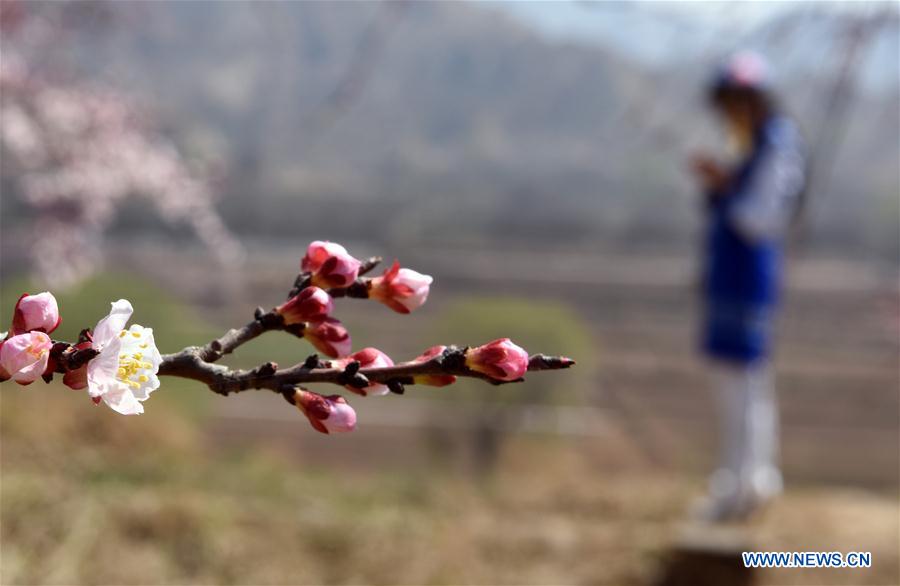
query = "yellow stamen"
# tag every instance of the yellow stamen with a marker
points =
(130, 367)
(136, 334)
(122, 334)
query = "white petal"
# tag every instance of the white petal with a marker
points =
(144, 344)
(110, 326)
(101, 371)
(123, 401)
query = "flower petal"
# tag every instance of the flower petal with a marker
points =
(123, 401)
(140, 341)
(109, 327)
(101, 371)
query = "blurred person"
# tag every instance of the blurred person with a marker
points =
(749, 206)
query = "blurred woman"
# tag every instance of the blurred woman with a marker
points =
(749, 207)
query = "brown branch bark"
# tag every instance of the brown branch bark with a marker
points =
(226, 344)
(190, 364)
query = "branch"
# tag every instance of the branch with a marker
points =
(197, 363)
(189, 364)
(121, 373)
(264, 321)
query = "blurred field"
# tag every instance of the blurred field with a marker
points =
(89, 498)
(582, 478)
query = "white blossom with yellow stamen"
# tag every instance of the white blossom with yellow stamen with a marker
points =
(124, 373)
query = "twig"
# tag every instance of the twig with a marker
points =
(189, 364)
(198, 363)
(226, 344)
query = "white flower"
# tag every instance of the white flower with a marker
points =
(124, 373)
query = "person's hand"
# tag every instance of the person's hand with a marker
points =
(709, 172)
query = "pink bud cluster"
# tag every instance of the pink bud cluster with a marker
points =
(327, 269)
(25, 350)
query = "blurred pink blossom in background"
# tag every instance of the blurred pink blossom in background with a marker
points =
(76, 151)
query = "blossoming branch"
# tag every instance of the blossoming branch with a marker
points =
(121, 367)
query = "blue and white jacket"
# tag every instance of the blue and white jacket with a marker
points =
(747, 224)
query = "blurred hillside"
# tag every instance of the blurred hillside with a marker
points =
(448, 122)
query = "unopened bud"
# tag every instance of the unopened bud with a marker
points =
(500, 360)
(310, 304)
(329, 336)
(36, 313)
(327, 414)
(403, 290)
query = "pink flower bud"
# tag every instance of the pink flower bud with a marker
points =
(329, 336)
(331, 414)
(403, 290)
(367, 358)
(318, 252)
(310, 304)
(500, 359)
(432, 380)
(36, 313)
(330, 265)
(338, 271)
(23, 358)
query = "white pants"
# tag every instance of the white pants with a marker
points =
(748, 461)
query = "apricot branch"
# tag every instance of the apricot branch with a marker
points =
(122, 367)
(451, 361)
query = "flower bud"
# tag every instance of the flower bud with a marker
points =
(330, 265)
(329, 336)
(36, 313)
(318, 252)
(500, 359)
(403, 290)
(309, 304)
(367, 358)
(432, 380)
(23, 358)
(331, 414)
(338, 271)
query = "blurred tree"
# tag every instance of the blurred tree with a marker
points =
(73, 151)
